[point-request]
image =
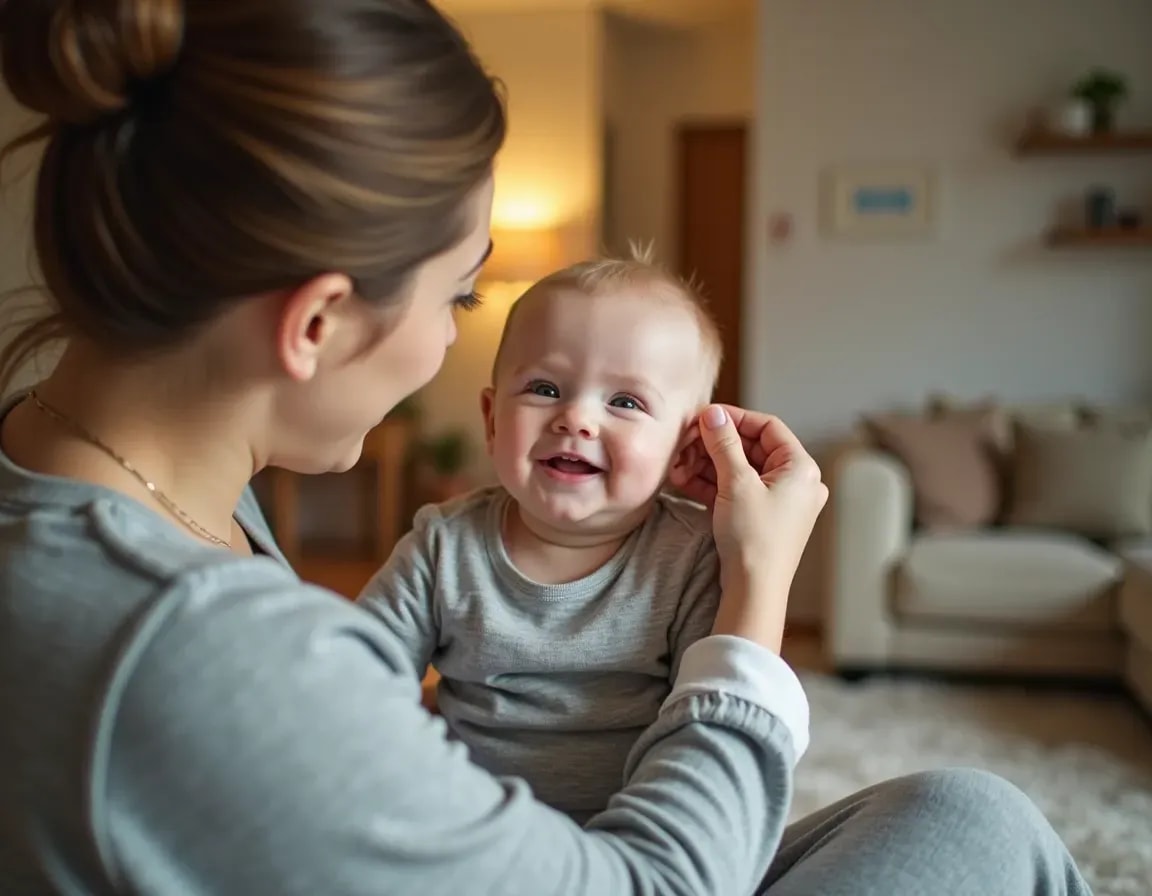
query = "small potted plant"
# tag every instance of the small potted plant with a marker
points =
(442, 459)
(1103, 90)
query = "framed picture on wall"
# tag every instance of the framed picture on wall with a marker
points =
(879, 201)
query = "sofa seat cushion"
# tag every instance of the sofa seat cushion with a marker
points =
(1035, 580)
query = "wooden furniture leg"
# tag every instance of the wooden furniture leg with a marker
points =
(286, 511)
(389, 473)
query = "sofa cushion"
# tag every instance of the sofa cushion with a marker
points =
(1033, 580)
(1094, 481)
(1054, 415)
(951, 462)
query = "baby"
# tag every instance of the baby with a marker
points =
(556, 606)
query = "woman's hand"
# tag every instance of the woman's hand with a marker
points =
(766, 493)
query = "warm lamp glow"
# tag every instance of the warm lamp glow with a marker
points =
(499, 297)
(522, 214)
(522, 255)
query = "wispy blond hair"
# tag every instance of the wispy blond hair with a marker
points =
(597, 276)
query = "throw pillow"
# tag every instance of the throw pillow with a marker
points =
(951, 462)
(1094, 481)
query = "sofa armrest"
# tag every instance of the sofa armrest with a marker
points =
(872, 527)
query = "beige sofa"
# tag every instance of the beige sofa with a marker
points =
(1006, 596)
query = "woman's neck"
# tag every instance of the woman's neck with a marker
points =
(157, 417)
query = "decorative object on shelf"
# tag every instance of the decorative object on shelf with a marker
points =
(1072, 118)
(1100, 208)
(883, 201)
(1103, 89)
(440, 461)
(1105, 226)
(1130, 219)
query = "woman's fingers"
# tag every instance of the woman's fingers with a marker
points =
(769, 445)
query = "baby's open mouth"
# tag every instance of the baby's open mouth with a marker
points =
(568, 463)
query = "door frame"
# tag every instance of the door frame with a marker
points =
(738, 123)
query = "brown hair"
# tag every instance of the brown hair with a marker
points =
(597, 276)
(199, 151)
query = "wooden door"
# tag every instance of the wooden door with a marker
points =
(710, 161)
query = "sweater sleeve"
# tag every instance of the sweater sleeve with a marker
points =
(402, 593)
(266, 737)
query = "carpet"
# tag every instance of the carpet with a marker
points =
(1084, 758)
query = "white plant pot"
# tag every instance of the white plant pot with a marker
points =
(1072, 117)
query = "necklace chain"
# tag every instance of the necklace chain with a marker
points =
(168, 504)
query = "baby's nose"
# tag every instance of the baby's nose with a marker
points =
(577, 419)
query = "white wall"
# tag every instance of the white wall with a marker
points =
(656, 77)
(835, 329)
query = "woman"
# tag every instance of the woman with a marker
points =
(256, 219)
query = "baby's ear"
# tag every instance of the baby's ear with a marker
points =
(488, 409)
(686, 460)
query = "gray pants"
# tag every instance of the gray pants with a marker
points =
(953, 832)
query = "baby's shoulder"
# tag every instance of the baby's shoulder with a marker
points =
(471, 511)
(678, 518)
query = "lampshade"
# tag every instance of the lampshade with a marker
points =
(522, 255)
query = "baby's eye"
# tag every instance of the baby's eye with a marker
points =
(627, 402)
(544, 389)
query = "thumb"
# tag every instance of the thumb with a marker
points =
(723, 444)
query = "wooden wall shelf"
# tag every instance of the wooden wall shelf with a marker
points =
(1044, 143)
(1112, 237)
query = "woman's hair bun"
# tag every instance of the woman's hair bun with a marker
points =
(76, 61)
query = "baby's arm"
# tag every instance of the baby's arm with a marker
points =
(698, 602)
(402, 593)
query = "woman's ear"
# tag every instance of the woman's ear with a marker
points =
(308, 323)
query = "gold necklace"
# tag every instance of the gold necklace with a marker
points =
(170, 505)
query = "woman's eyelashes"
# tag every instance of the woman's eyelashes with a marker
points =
(469, 301)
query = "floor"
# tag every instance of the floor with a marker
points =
(1083, 757)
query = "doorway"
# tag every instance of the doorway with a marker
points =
(710, 184)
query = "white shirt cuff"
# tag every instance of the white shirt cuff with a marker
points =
(741, 668)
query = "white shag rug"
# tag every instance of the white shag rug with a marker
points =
(1084, 758)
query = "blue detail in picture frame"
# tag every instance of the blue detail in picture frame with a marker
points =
(883, 201)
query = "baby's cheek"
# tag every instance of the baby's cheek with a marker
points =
(649, 465)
